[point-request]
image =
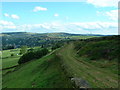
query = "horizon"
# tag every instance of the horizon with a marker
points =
(84, 17)
(56, 33)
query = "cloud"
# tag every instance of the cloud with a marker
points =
(6, 15)
(74, 27)
(37, 8)
(103, 3)
(113, 15)
(96, 25)
(4, 23)
(105, 28)
(7, 25)
(14, 16)
(56, 15)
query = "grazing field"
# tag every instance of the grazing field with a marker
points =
(82, 37)
(96, 76)
(88, 63)
(8, 60)
(41, 73)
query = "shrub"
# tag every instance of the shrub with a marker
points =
(101, 48)
(33, 55)
(12, 54)
(23, 49)
(57, 45)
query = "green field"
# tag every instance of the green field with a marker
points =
(8, 60)
(56, 69)
(82, 37)
(97, 77)
(44, 72)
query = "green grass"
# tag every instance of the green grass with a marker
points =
(53, 70)
(111, 66)
(8, 60)
(82, 37)
(7, 53)
(41, 73)
(104, 49)
(63, 35)
(7, 71)
(97, 77)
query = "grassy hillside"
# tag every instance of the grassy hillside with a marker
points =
(102, 52)
(99, 48)
(41, 73)
(8, 60)
(91, 61)
(17, 39)
(80, 68)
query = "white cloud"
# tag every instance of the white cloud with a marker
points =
(96, 25)
(113, 14)
(76, 27)
(7, 25)
(4, 23)
(14, 16)
(37, 8)
(6, 15)
(103, 3)
(56, 15)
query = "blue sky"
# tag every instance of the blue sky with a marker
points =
(71, 17)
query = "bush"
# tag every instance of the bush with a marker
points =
(33, 55)
(57, 45)
(12, 54)
(103, 48)
(23, 50)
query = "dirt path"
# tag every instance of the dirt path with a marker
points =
(97, 77)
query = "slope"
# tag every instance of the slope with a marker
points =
(58, 69)
(42, 73)
(76, 67)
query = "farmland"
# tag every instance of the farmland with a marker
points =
(79, 58)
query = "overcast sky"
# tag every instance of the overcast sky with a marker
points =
(86, 17)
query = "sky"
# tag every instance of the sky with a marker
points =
(83, 17)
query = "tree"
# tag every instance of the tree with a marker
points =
(57, 45)
(23, 49)
(42, 46)
(33, 55)
(12, 54)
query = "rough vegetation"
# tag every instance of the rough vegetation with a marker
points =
(99, 48)
(84, 63)
(32, 55)
(18, 39)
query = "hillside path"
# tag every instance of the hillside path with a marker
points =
(97, 77)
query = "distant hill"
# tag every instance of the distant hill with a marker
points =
(59, 34)
(88, 63)
(99, 48)
(18, 39)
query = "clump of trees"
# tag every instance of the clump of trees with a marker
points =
(32, 55)
(12, 54)
(23, 50)
(56, 45)
(99, 48)
(7, 47)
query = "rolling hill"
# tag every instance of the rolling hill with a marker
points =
(70, 67)
(18, 39)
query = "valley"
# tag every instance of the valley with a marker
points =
(76, 63)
